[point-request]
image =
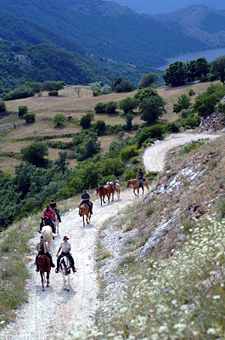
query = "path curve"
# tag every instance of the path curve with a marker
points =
(54, 311)
(154, 156)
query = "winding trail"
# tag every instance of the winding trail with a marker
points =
(54, 311)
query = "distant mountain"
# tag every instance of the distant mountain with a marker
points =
(205, 24)
(107, 29)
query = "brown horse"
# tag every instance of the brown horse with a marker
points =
(103, 191)
(85, 211)
(136, 185)
(115, 185)
(45, 267)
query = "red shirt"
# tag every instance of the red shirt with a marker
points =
(50, 214)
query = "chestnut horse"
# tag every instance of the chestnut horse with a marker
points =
(103, 191)
(136, 185)
(85, 211)
(44, 267)
(115, 185)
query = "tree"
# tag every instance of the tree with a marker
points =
(59, 120)
(197, 69)
(22, 110)
(30, 117)
(218, 66)
(2, 107)
(183, 102)
(152, 108)
(129, 118)
(86, 120)
(122, 85)
(62, 162)
(147, 80)
(35, 154)
(205, 104)
(100, 127)
(111, 107)
(100, 107)
(128, 104)
(144, 94)
(175, 74)
(96, 88)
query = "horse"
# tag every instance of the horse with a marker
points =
(115, 188)
(136, 184)
(84, 210)
(46, 231)
(103, 191)
(65, 270)
(44, 267)
(56, 223)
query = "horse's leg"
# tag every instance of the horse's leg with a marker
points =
(42, 280)
(103, 198)
(83, 221)
(48, 281)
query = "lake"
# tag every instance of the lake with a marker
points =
(210, 55)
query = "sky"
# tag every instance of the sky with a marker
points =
(165, 6)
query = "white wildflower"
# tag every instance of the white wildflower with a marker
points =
(211, 331)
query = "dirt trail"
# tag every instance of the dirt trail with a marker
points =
(154, 156)
(54, 311)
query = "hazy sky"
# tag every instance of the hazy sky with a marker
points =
(164, 6)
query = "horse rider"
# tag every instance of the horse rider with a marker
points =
(140, 178)
(85, 198)
(53, 206)
(42, 250)
(50, 216)
(65, 247)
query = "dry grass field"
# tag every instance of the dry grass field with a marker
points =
(69, 103)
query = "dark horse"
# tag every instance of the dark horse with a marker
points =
(45, 267)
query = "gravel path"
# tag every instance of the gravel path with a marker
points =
(154, 156)
(54, 311)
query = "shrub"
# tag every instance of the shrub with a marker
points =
(191, 121)
(29, 117)
(111, 107)
(192, 146)
(100, 107)
(100, 127)
(154, 131)
(172, 127)
(191, 92)
(53, 93)
(20, 92)
(22, 110)
(35, 153)
(2, 107)
(128, 104)
(183, 102)
(128, 152)
(86, 120)
(59, 120)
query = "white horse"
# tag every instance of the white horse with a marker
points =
(46, 231)
(65, 270)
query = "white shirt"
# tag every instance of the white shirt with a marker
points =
(65, 247)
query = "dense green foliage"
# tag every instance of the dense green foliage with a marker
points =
(100, 107)
(59, 120)
(147, 80)
(86, 120)
(35, 154)
(128, 104)
(30, 117)
(182, 103)
(206, 102)
(218, 66)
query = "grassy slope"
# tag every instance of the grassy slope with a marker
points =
(69, 104)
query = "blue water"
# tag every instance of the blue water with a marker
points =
(210, 55)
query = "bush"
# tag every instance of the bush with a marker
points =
(29, 117)
(128, 152)
(100, 107)
(111, 107)
(130, 173)
(59, 120)
(22, 110)
(53, 93)
(172, 127)
(86, 120)
(183, 102)
(100, 127)
(191, 121)
(128, 104)
(20, 92)
(2, 107)
(191, 92)
(35, 154)
(154, 131)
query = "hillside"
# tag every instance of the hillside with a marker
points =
(110, 30)
(199, 22)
